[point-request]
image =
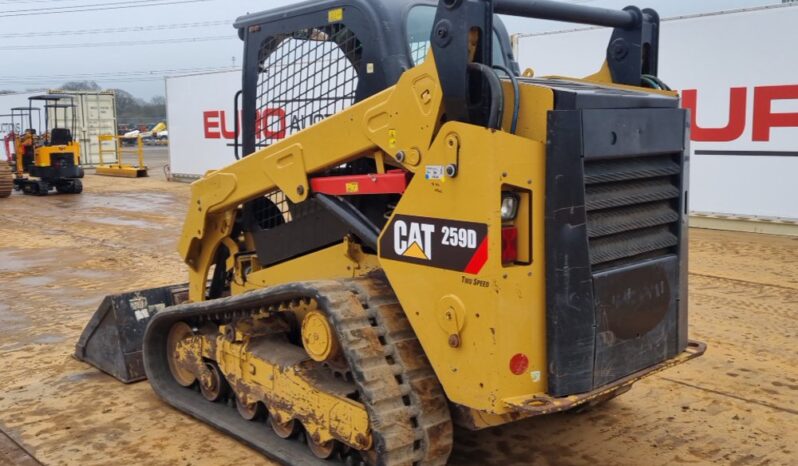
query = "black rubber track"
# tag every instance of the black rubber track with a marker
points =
(346, 304)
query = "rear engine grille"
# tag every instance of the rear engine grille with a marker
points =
(62, 159)
(632, 209)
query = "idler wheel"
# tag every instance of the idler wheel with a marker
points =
(177, 354)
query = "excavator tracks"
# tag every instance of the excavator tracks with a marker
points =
(407, 409)
(6, 179)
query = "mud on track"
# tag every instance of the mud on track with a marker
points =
(60, 255)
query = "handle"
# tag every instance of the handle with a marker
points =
(565, 12)
(237, 124)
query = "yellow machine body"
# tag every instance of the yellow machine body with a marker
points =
(43, 156)
(470, 327)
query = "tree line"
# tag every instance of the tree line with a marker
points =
(131, 111)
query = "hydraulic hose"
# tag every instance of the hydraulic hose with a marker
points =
(516, 96)
(496, 94)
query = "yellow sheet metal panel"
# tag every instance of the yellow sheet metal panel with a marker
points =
(472, 320)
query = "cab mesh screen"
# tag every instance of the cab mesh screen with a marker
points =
(305, 77)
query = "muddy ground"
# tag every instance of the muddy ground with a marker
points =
(60, 255)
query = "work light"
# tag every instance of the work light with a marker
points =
(509, 206)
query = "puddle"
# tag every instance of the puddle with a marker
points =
(12, 320)
(83, 376)
(91, 274)
(19, 260)
(48, 339)
(117, 221)
(33, 281)
(128, 202)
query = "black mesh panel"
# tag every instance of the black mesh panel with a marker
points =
(305, 77)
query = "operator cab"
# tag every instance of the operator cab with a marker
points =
(63, 115)
(307, 61)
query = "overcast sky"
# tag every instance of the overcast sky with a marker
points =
(131, 46)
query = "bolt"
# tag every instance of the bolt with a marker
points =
(454, 341)
(451, 170)
(619, 50)
(413, 157)
(400, 156)
(300, 190)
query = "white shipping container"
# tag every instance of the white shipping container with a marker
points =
(741, 70)
(95, 116)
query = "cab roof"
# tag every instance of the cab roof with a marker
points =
(48, 97)
(384, 12)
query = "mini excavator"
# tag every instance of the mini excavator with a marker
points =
(419, 237)
(52, 158)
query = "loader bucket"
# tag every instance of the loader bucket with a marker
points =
(112, 339)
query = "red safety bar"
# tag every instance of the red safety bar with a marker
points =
(393, 182)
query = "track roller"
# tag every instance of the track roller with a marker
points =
(249, 411)
(213, 385)
(322, 451)
(284, 430)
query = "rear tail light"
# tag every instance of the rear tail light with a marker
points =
(509, 244)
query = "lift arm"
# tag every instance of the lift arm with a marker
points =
(403, 119)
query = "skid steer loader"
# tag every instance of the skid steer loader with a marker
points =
(419, 237)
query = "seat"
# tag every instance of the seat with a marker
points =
(60, 137)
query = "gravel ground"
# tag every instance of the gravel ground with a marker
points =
(60, 255)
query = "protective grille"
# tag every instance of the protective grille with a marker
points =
(305, 77)
(275, 209)
(62, 159)
(632, 209)
(419, 51)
